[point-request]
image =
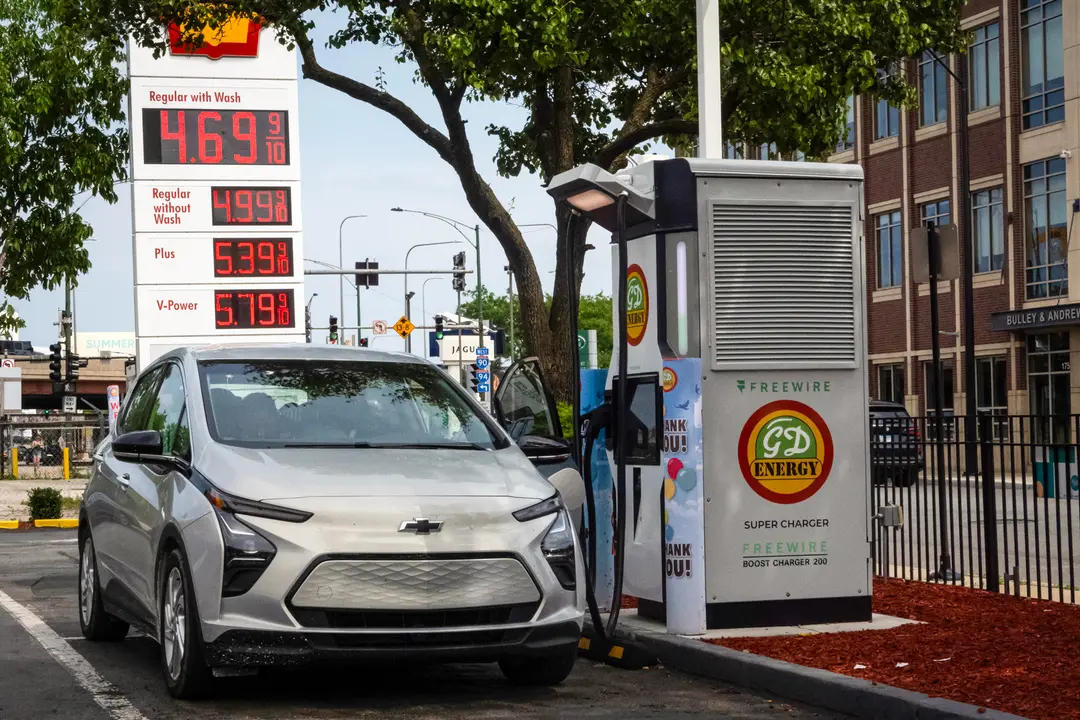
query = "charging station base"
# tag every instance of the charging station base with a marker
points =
(618, 652)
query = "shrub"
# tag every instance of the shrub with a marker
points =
(45, 503)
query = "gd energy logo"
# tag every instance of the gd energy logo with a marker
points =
(785, 452)
(637, 304)
(670, 379)
(238, 37)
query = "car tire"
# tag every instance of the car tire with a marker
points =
(540, 670)
(96, 624)
(187, 676)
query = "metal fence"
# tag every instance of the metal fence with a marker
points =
(40, 443)
(1010, 524)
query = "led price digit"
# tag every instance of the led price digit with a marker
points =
(218, 137)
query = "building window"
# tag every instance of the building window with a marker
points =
(891, 383)
(990, 392)
(947, 411)
(890, 250)
(848, 141)
(1048, 386)
(986, 224)
(933, 89)
(1043, 76)
(1046, 228)
(984, 68)
(886, 120)
(936, 212)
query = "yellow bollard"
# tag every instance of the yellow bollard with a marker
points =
(67, 464)
(15, 462)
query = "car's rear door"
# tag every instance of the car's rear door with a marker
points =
(525, 407)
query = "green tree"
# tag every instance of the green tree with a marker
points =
(61, 102)
(597, 78)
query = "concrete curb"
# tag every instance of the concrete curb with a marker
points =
(820, 688)
(66, 523)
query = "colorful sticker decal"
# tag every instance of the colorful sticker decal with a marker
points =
(785, 452)
(637, 304)
(670, 379)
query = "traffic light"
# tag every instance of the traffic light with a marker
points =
(363, 342)
(438, 327)
(459, 271)
(473, 382)
(333, 330)
(74, 362)
(56, 361)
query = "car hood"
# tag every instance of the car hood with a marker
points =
(283, 473)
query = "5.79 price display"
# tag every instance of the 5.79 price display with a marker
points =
(215, 137)
(250, 309)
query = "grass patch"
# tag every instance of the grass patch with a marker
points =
(70, 504)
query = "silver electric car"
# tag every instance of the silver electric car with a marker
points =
(273, 505)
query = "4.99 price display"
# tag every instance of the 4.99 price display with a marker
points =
(251, 205)
(215, 137)
(248, 309)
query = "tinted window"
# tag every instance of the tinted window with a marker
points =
(166, 415)
(525, 407)
(296, 403)
(141, 400)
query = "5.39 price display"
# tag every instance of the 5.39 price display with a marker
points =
(215, 137)
(248, 309)
(248, 257)
(251, 205)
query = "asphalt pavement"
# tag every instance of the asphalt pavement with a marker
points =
(47, 669)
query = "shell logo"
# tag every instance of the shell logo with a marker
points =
(237, 37)
(785, 452)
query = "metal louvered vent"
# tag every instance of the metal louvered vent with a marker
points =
(783, 286)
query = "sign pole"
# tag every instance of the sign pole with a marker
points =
(710, 129)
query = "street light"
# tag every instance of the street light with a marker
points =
(341, 264)
(423, 295)
(479, 286)
(408, 340)
(408, 311)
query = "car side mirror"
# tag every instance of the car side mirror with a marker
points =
(138, 446)
(571, 488)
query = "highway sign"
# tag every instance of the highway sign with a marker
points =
(483, 362)
(481, 351)
(379, 327)
(403, 327)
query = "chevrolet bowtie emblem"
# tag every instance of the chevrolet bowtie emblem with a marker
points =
(421, 526)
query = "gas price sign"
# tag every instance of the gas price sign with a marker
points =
(251, 205)
(248, 309)
(243, 257)
(215, 137)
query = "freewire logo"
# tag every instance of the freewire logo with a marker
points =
(784, 386)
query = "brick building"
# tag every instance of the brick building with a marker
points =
(1024, 99)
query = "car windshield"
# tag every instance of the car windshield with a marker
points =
(306, 403)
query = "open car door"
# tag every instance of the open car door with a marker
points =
(525, 407)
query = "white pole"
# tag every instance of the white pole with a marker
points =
(594, 350)
(710, 132)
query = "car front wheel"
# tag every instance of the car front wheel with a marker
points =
(186, 673)
(548, 669)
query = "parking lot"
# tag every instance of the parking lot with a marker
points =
(83, 681)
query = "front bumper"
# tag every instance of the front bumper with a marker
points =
(254, 649)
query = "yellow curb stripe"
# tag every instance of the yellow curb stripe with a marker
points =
(60, 523)
(9, 524)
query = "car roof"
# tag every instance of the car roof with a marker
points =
(292, 351)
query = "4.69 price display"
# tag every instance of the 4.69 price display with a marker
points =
(215, 137)
(250, 309)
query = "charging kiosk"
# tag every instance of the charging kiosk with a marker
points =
(745, 445)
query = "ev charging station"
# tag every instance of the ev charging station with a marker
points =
(742, 497)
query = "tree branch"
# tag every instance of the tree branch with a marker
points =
(384, 101)
(628, 141)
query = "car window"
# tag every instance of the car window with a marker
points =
(137, 410)
(281, 403)
(182, 440)
(524, 402)
(168, 407)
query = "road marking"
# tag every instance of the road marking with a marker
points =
(103, 692)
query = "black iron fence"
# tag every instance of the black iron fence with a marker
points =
(39, 443)
(1000, 511)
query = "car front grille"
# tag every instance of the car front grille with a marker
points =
(409, 585)
(421, 619)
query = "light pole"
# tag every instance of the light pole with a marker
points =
(479, 285)
(510, 297)
(408, 340)
(307, 316)
(408, 311)
(341, 264)
(423, 296)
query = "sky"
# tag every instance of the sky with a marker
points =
(355, 160)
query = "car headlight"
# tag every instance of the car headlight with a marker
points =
(247, 552)
(558, 543)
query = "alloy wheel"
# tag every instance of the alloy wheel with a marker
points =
(87, 581)
(174, 623)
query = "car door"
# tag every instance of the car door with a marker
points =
(108, 487)
(525, 407)
(147, 491)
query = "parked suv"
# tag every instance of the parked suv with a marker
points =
(896, 444)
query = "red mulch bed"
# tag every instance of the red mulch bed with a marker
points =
(628, 602)
(1017, 655)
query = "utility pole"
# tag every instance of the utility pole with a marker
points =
(971, 459)
(510, 295)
